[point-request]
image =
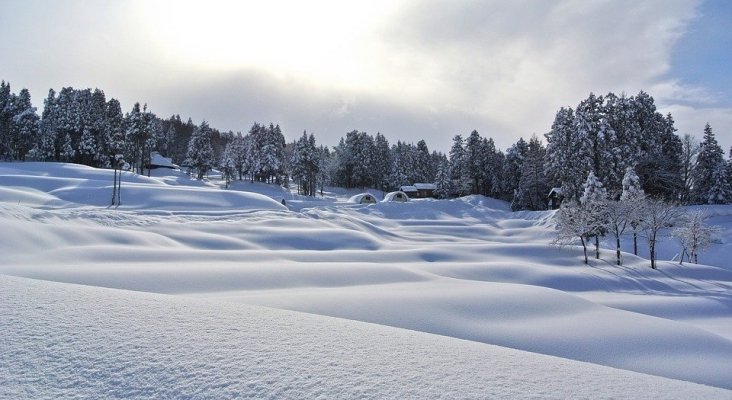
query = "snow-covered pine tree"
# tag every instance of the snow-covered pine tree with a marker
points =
(424, 171)
(5, 119)
(560, 140)
(710, 157)
(623, 150)
(325, 164)
(380, 162)
(689, 152)
(474, 161)
(490, 168)
(661, 169)
(228, 165)
(595, 139)
(443, 180)
(114, 125)
(360, 145)
(400, 169)
(200, 153)
(67, 124)
(512, 167)
(532, 189)
(457, 159)
(135, 137)
(24, 125)
(45, 148)
(633, 200)
(720, 191)
(594, 200)
(305, 164)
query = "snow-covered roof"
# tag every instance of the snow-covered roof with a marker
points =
(362, 198)
(556, 190)
(158, 160)
(408, 188)
(425, 186)
(396, 196)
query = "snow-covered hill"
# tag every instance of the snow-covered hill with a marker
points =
(69, 341)
(464, 269)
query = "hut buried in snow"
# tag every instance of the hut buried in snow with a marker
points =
(158, 161)
(397, 197)
(363, 198)
(410, 191)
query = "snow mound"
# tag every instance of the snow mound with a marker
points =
(362, 198)
(69, 185)
(397, 196)
(62, 341)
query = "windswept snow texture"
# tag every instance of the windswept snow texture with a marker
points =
(69, 341)
(465, 269)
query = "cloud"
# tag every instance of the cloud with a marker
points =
(420, 69)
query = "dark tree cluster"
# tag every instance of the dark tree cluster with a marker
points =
(603, 135)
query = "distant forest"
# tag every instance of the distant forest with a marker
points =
(603, 136)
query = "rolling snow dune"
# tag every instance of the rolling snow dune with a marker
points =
(69, 341)
(466, 268)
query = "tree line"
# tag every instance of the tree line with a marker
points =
(602, 135)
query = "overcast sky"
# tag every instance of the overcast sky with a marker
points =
(407, 69)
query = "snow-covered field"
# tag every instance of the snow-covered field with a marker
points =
(468, 270)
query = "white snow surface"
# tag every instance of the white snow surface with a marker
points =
(469, 270)
(69, 341)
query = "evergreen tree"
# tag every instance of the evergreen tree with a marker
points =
(135, 137)
(490, 167)
(720, 190)
(458, 166)
(512, 166)
(443, 180)
(200, 153)
(46, 147)
(381, 162)
(228, 165)
(474, 161)
(5, 119)
(689, 152)
(708, 161)
(24, 126)
(424, 171)
(532, 188)
(305, 164)
(325, 165)
(402, 169)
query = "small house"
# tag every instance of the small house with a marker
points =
(410, 191)
(363, 198)
(554, 198)
(158, 161)
(425, 190)
(396, 197)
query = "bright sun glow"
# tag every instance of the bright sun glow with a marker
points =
(321, 40)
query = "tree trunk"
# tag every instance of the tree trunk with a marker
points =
(114, 187)
(597, 247)
(635, 243)
(652, 248)
(584, 249)
(617, 249)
